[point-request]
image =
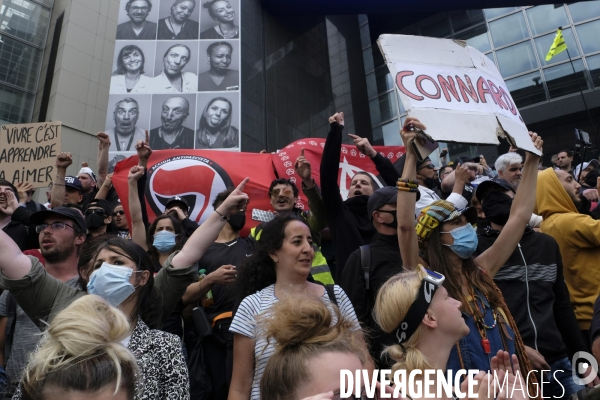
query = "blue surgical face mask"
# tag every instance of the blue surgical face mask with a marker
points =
(164, 241)
(111, 282)
(465, 241)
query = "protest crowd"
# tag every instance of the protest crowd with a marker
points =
(465, 266)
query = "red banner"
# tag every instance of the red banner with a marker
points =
(199, 175)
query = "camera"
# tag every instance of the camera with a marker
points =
(582, 137)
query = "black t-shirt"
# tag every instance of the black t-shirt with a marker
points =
(218, 254)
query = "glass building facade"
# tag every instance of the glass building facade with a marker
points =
(516, 39)
(23, 33)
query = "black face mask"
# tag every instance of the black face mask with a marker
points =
(591, 179)
(431, 183)
(237, 221)
(482, 223)
(94, 221)
(393, 224)
(496, 207)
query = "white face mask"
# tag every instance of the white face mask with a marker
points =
(111, 282)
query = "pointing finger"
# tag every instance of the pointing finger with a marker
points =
(302, 152)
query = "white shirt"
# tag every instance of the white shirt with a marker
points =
(161, 84)
(428, 196)
(118, 86)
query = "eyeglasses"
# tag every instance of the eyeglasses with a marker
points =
(120, 212)
(95, 211)
(428, 166)
(56, 226)
(286, 192)
(136, 9)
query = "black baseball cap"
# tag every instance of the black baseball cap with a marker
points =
(381, 197)
(73, 182)
(486, 186)
(39, 217)
(177, 199)
(462, 160)
(101, 203)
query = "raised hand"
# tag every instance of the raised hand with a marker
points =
(180, 215)
(135, 173)
(363, 145)
(537, 141)
(63, 160)
(103, 141)
(143, 148)
(303, 168)
(11, 203)
(462, 174)
(236, 201)
(22, 189)
(337, 117)
(108, 181)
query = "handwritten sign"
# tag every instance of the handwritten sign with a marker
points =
(28, 152)
(455, 90)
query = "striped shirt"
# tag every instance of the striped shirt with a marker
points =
(244, 323)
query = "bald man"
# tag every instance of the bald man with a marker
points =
(172, 134)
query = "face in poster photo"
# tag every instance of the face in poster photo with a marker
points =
(222, 60)
(172, 122)
(174, 70)
(217, 120)
(133, 67)
(220, 20)
(128, 122)
(179, 20)
(137, 21)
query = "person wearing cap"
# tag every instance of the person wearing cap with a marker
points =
(578, 236)
(179, 208)
(61, 232)
(447, 240)
(588, 176)
(98, 217)
(475, 169)
(13, 227)
(533, 276)
(31, 204)
(376, 262)
(88, 180)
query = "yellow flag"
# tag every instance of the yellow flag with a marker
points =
(558, 46)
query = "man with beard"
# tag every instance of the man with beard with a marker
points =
(17, 231)
(61, 233)
(221, 261)
(578, 237)
(125, 134)
(137, 28)
(172, 134)
(564, 161)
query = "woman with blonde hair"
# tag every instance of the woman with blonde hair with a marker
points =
(82, 355)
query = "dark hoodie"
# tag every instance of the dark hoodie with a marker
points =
(349, 222)
(533, 287)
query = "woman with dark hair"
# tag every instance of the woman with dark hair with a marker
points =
(129, 76)
(215, 130)
(224, 14)
(219, 77)
(178, 25)
(448, 240)
(121, 272)
(278, 269)
(164, 237)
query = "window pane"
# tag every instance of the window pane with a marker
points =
(362, 18)
(496, 12)
(439, 28)
(16, 107)
(546, 18)
(19, 63)
(379, 81)
(561, 80)
(543, 44)
(383, 108)
(365, 36)
(508, 30)
(368, 59)
(476, 37)
(594, 67)
(26, 20)
(527, 89)
(588, 36)
(466, 19)
(584, 10)
(516, 59)
(388, 134)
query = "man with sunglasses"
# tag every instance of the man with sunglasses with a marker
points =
(61, 231)
(98, 217)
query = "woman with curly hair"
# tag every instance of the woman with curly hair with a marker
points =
(447, 240)
(215, 130)
(278, 269)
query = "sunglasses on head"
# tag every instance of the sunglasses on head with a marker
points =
(286, 192)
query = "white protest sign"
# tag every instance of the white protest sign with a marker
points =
(455, 90)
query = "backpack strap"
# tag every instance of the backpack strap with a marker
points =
(365, 260)
(331, 293)
(11, 307)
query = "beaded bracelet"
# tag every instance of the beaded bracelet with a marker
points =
(408, 185)
(405, 189)
(408, 181)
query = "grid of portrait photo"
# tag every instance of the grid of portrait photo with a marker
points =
(176, 73)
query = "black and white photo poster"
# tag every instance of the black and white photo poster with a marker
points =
(176, 74)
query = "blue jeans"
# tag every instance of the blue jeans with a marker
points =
(564, 378)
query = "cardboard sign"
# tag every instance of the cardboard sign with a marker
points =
(28, 152)
(455, 90)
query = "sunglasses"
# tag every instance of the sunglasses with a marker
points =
(120, 212)
(94, 211)
(285, 192)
